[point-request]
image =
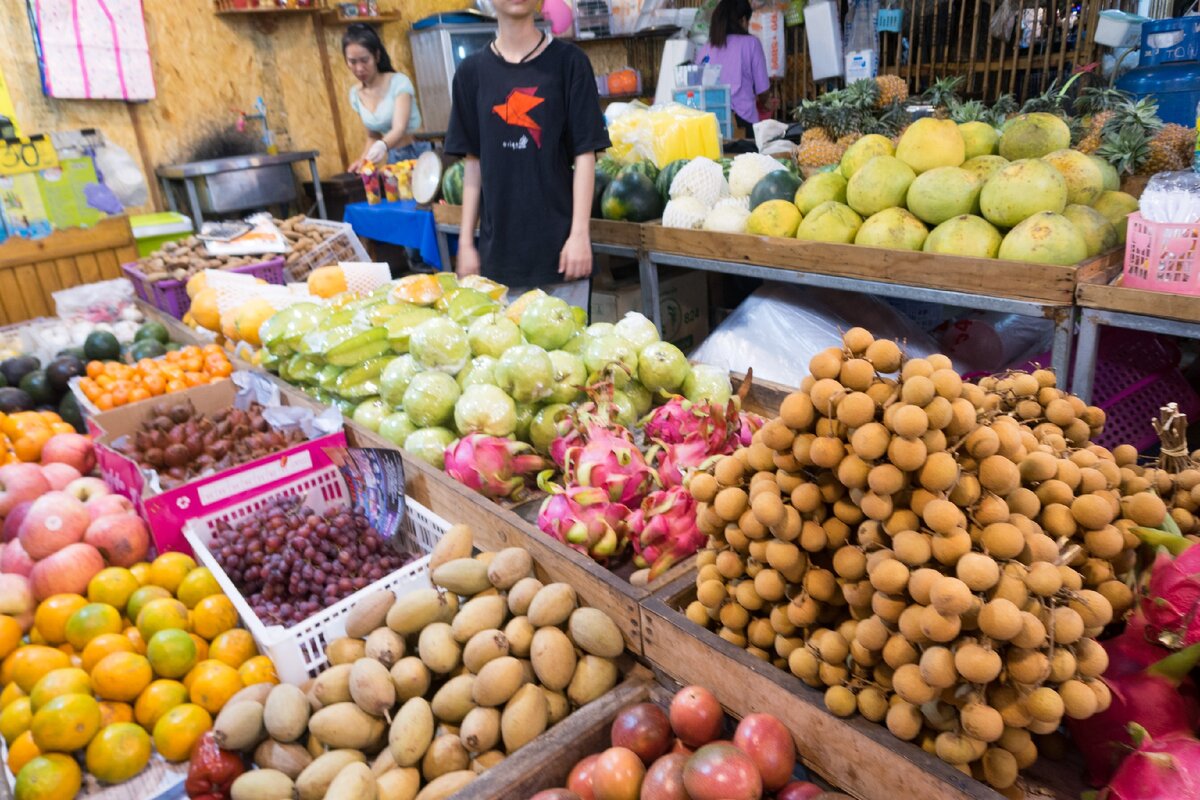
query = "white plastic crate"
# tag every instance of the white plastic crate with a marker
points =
(299, 651)
(344, 246)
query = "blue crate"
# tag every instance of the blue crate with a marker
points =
(1186, 30)
(714, 99)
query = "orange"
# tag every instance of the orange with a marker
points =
(95, 369)
(89, 622)
(11, 692)
(52, 776)
(201, 647)
(122, 676)
(15, 719)
(158, 698)
(233, 647)
(213, 687)
(141, 571)
(35, 637)
(68, 680)
(200, 669)
(141, 597)
(259, 669)
(50, 618)
(31, 662)
(103, 645)
(160, 615)
(10, 635)
(135, 637)
(112, 585)
(172, 653)
(112, 712)
(29, 447)
(214, 615)
(22, 751)
(197, 585)
(118, 752)
(178, 730)
(66, 723)
(169, 570)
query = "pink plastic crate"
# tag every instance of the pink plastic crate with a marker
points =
(1161, 256)
(171, 296)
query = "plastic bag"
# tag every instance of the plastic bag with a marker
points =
(104, 301)
(119, 172)
(1172, 197)
(1003, 20)
(778, 329)
(991, 342)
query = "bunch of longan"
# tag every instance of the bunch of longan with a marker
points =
(936, 555)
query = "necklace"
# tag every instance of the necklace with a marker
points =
(496, 49)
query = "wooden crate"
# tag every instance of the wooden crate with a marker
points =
(859, 756)
(31, 270)
(603, 231)
(1009, 279)
(1185, 307)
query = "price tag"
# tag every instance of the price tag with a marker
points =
(26, 155)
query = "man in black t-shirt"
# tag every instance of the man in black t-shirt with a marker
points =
(525, 112)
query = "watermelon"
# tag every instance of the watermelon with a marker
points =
(609, 166)
(777, 185)
(452, 183)
(647, 168)
(666, 175)
(601, 183)
(725, 163)
(631, 197)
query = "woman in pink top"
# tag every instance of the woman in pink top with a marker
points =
(743, 64)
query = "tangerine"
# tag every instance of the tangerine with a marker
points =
(89, 622)
(10, 635)
(201, 648)
(103, 645)
(142, 596)
(50, 618)
(52, 776)
(214, 615)
(66, 723)
(11, 692)
(169, 570)
(31, 662)
(259, 669)
(118, 752)
(214, 686)
(22, 751)
(160, 615)
(233, 647)
(135, 637)
(15, 719)
(112, 585)
(122, 676)
(141, 571)
(197, 585)
(158, 698)
(68, 680)
(178, 730)
(112, 712)
(172, 653)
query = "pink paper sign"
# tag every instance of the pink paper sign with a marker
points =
(93, 49)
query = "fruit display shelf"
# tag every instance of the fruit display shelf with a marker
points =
(859, 756)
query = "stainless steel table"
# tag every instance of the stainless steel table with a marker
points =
(225, 185)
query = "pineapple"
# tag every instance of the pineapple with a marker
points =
(863, 94)
(819, 152)
(1092, 137)
(1171, 149)
(892, 89)
(1127, 135)
(1127, 150)
(814, 134)
(943, 94)
(970, 111)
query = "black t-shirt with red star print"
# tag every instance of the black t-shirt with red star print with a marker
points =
(526, 123)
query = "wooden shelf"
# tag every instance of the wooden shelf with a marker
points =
(332, 17)
(653, 33)
(265, 11)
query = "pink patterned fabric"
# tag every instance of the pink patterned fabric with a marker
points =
(93, 49)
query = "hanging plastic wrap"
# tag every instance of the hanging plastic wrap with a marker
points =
(1003, 20)
(992, 342)
(1172, 197)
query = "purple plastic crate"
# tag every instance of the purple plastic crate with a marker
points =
(171, 296)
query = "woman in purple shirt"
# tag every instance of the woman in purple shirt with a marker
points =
(743, 64)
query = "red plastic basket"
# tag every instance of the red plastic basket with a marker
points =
(1162, 256)
(171, 296)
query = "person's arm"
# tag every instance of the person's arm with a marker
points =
(468, 255)
(575, 260)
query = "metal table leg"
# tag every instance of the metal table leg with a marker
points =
(1082, 382)
(193, 202)
(168, 194)
(443, 243)
(651, 301)
(1064, 332)
(321, 213)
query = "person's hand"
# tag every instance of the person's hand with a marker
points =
(468, 260)
(575, 260)
(377, 153)
(356, 167)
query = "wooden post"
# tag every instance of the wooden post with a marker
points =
(330, 89)
(135, 120)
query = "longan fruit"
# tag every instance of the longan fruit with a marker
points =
(938, 627)
(942, 516)
(777, 436)
(962, 418)
(1027, 666)
(1057, 520)
(920, 584)
(820, 584)
(833, 674)
(1145, 509)
(767, 507)
(976, 664)
(827, 363)
(982, 722)
(711, 593)
(829, 426)
(918, 390)
(909, 421)
(1062, 665)
(1043, 579)
(1071, 579)
(704, 487)
(1037, 467)
(937, 667)
(783, 556)
(1008, 701)
(977, 571)
(733, 616)
(882, 391)
(912, 548)
(904, 720)
(1023, 501)
(857, 595)
(872, 703)
(856, 374)
(1118, 595)
(769, 585)
(856, 409)
(1107, 543)
(874, 506)
(872, 633)
(797, 411)
(840, 701)
(885, 479)
(832, 648)
(803, 610)
(730, 564)
(888, 607)
(991, 510)
(729, 471)
(1092, 511)
(804, 665)
(940, 413)
(1093, 608)
(998, 474)
(907, 454)
(1033, 633)
(914, 367)
(947, 550)
(1102, 692)
(1002, 540)
(912, 688)
(902, 519)
(837, 533)
(857, 340)
(935, 441)
(730, 503)
(827, 452)
(1045, 704)
(999, 768)
(982, 443)
(747, 597)
(955, 748)
(1066, 625)
(910, 626)
(899, 651)
(870, 441)
(939, 473)
(760, 634)
(966, 491)
(883, 354)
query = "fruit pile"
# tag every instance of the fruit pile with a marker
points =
(143, 660)
(24, 435)
(111, 384)
(290, 562)
(678, 753)
(436, 686)
(929, 558)
(181, 444)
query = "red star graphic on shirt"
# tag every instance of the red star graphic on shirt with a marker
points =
(515, 111)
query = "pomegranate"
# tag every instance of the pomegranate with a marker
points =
(582, 774)
(769, 745)
(555, 794)
(644, 729)
(67, 571)
(14, 559)
(56, 520)
(618, 775)
(70, 448)
(799, 790)
(19, 483)
(121, 538)
(696, 716)
(664, 780)
(720, 771)
(12, 523)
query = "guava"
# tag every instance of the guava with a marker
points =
(394, 379)
(525, 414)
(370, 413)
(611, 355)
(709, 384)
(440, 344)
(396, 427)
(570, 375)
(429, 444)
(484, 408)
(464, 305)
(526, 373)
(640, 397)
(662, 367)
(543, 430)
(430, 397)
(637, 329)
(492, 334)
(627, 414)
(597, 329)
(480, 369)
(548, 322)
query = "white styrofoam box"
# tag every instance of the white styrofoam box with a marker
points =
(1118, 29)
(824, 33)
(299, 651)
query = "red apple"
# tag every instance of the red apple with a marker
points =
(582, 774)
(86, 488)
(105, 504)
(799, 790)
(720, 771)
(70, 448)
(664, 779)
(644, 729)
(56, 520)
(14, 559)
(12, 523)
(121, 538)
(769, 745)
(618, 775)
(68, 570)
(696, 716)
(59, 474)
(20, 483)
(555, 794)
(16, 596)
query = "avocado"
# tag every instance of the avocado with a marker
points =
(173, 346)
(72, 351)
(146, 348)
(13, 400)
(37, 386)
(70, 411)
(153, 330)
(101, 346)
(18, 367)
(61, 370)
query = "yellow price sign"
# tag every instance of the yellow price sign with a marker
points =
(27, 155)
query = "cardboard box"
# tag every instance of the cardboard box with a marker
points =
(683, 304)
(167, 512)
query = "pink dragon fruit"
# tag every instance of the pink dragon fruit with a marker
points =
(612, 463)
(664, 530)
(679, 419)
(1161, 768)
(750, 423)
(678, 459)
(493, 466)
(1171, 602)
(583, 518)
(592, 418)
